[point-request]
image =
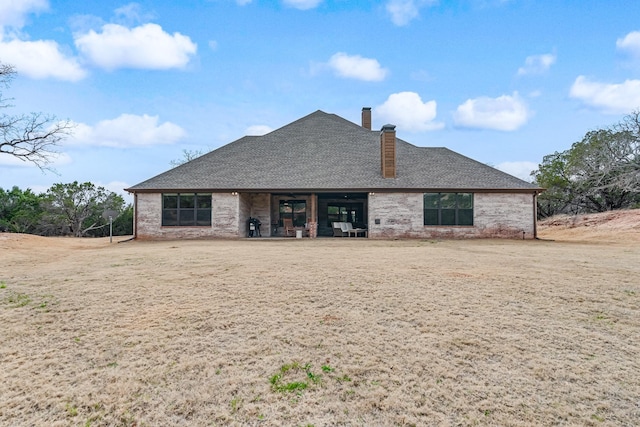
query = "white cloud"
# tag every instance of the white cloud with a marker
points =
(13, 12)
(258, 130)
(611, 98)
(127, 130)
(505, 113)
(537, 64)
(147, 46)
(630, 43)
(521, 170)
(357, 67)
(404, 11)
(407, 111)
(302, 4)
(29, 56)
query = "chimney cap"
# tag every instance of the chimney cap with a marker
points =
(366, 108)
(388, 128)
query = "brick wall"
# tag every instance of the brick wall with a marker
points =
(224, 218)
(400, 215)
(504, 215)
(225, 214)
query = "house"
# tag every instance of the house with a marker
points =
(321, 169)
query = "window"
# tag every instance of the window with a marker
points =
(186, 209)
(294, 209)
(448, 209)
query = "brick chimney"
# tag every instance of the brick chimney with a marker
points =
(366, 117)
(388, 151)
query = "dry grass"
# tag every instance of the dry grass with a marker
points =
(509, 333)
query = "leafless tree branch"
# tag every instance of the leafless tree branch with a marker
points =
(29, 137)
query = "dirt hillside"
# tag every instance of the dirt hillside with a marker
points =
(614, 226)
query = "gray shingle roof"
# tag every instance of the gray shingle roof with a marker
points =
(324, 152)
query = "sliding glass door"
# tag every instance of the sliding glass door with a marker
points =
(345, 212)
(294, 209)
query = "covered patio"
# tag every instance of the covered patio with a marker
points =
(312, 213)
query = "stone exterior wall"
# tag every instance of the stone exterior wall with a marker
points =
(225, 214)
(504, 215)
(224, 219)
(400, 215)
(395, 215)
(244, 211)
(148, 215)
(390, 215)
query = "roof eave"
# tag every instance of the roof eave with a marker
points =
(535, 190)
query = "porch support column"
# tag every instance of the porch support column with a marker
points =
(313, 223)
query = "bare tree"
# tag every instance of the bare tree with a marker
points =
(187, 156)
(627, 152)
(599, 173)
(29, 137)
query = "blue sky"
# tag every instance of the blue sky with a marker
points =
(502, 81)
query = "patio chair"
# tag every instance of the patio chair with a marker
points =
(287, 223)
(346, 228)
(337, 229)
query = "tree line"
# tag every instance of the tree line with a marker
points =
(599, 173)
(73, 209)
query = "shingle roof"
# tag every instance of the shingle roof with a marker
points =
(324, 152)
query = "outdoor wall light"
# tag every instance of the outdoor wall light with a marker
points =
(372, 194)
(234, 193)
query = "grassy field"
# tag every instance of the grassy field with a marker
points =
(320, 332)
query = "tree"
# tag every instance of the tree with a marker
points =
(553, 174)
(596, 171)
(123, 223)
(29, 137)
(80, 206)
(187, 156)
(627, 152)
(599, 173)
(20, 211)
